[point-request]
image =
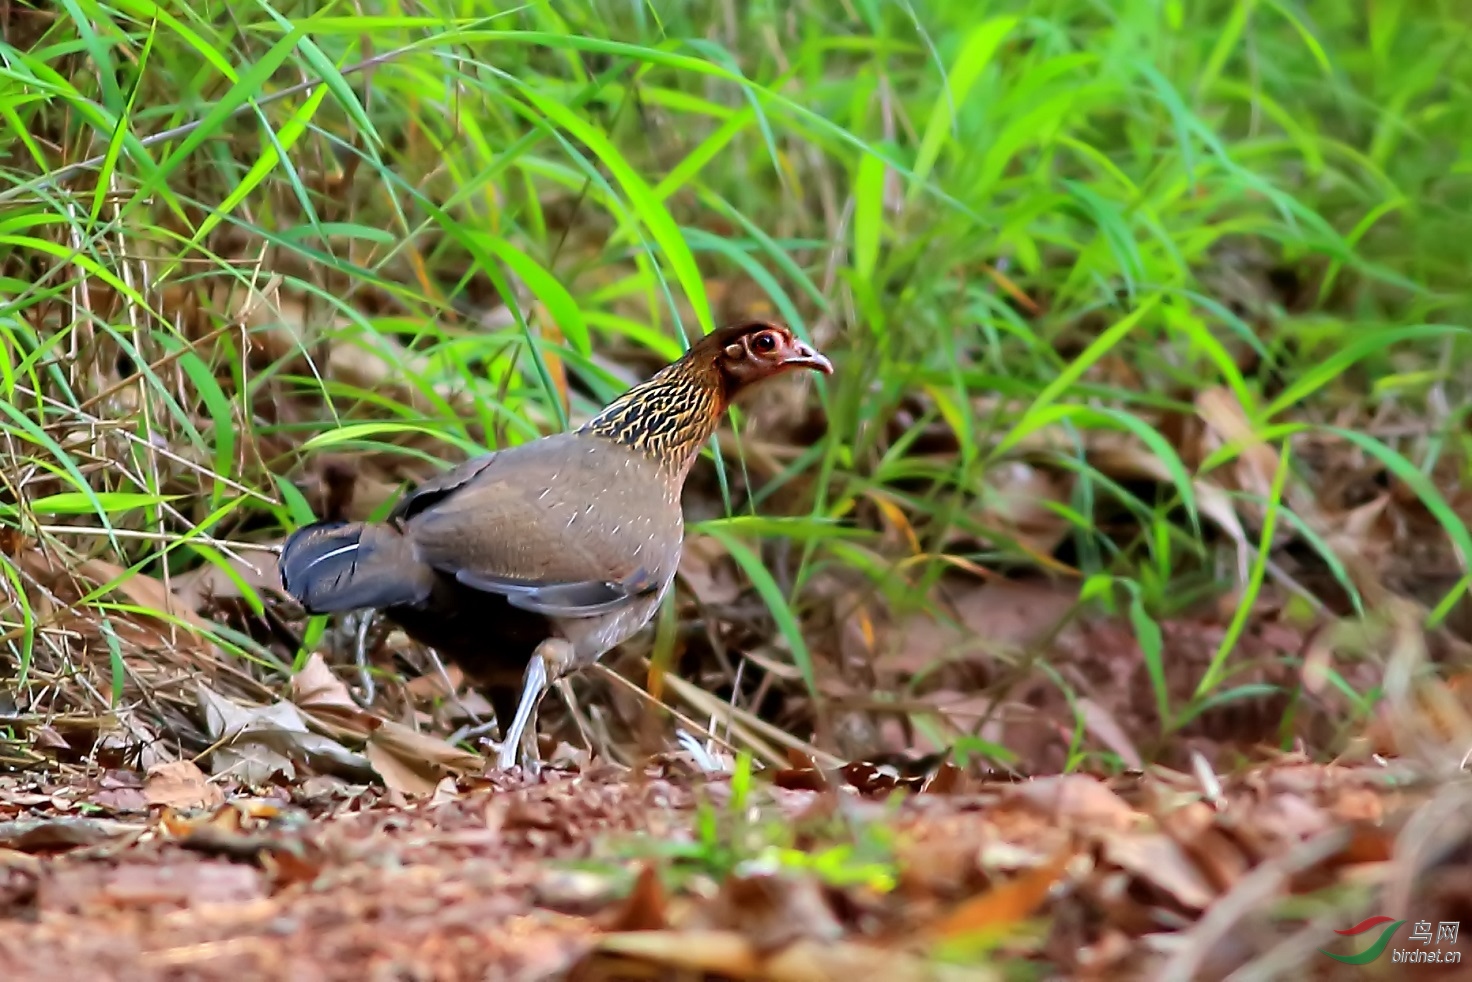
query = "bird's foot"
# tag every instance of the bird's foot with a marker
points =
(552, 661)
(472, 731)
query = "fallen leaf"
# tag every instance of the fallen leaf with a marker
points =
(147, 884)
(1159, 860)
(646, 908)
(432, 686)
(707, 569)
(120, 801)
(727, 954)
(315, 688)
(1220, 859)
(1004, 905)
(135, 736)
(403, 776)
(28, 835)
(347, 488)
(1015, 500)
(771, 910)
(197, 588)
(1081, 801)
(255, 745)
(143, 590)
(1100, 722)
(181, 785)
(576, 892)
(414, 763)
(721, 952)
(989, 615)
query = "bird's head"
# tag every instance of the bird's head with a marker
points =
(674, 411)
(751, 351)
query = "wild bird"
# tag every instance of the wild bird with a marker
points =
(526, 564)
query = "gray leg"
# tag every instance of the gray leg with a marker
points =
(553, 660)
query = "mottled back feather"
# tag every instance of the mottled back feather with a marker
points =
(571, 508)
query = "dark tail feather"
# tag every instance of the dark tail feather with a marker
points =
(333, 566)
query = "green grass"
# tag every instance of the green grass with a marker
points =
(981, 210)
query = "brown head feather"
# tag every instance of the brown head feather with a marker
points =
(673, 412)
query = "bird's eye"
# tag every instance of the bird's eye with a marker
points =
(765, 342)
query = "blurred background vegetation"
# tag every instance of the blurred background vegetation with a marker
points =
(1148, 316)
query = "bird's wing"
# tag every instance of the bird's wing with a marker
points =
(441, 486)
(561, 527)
(582, 598)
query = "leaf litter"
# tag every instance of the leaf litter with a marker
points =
(1099, 877)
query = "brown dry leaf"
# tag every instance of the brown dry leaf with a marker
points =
(1365, 545)
(1227, 422)
(398, 774)
(196, 588)
(724, 952)
(1441, 710)
(380, 370)
(1254, 468)
(1077, 801)
(1158, 859)
(708, 571)
(947, 779)
(728, 955)
(94, 888)
(414, 763)
(431, 686)
(1016, 612)
(134, 735)
(275, 323)
(771, 911)
(255, 745)
(898, 528)
(349, 488)
(421, 746)
(1102, 724)
(1218, 506)
(144, 591)
(646, 907)
(1371, 843)
(315, 688)
(120, 800)
(181, 784)
(1015, 501)
(1006, 904)
(11, 541)
(992, 614)
(1193, 826)
(1117, 458)
(408, 761)
(52, 834)
(285, 867)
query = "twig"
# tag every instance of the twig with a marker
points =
(1249, 894)
(141, 534)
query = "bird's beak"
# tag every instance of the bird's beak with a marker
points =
(804, 355)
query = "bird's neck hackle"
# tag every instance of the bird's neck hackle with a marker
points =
(669, 416)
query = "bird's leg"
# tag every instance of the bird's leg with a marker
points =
(552, 660)
(360, 657)
(450, 694)
(564, 689)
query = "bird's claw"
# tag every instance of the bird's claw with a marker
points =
(552, 660)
